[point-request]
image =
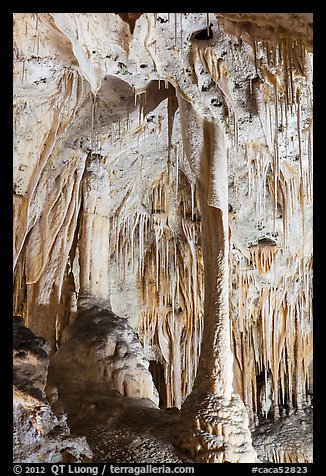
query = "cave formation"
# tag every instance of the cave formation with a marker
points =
(162, 212)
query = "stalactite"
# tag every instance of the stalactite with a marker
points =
(175, 29)
(207, 23)
(302, 181)
(255, 54)
(24, 71)
(262, 254)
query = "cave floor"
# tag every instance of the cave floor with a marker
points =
(288, 440)
(121, 429)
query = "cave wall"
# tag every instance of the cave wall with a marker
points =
(107, 209)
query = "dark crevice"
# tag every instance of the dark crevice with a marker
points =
(157, 371)
(130, 18)
(205, 34)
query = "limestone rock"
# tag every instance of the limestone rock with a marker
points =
(289, 440)
(39, 435)
(102, 348)
(30, 360)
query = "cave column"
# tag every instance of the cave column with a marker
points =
(93, 243)
(215, 371)
(214, 419)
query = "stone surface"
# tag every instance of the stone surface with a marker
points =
(102, 348)
(40, 432)
(30, 360)
(121, 429)
(289, 440)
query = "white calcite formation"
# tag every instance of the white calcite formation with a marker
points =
(103, 348)
(163, 172)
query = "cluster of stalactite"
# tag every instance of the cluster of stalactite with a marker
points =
(271, 311)
(272, 337)
(292, 184)
(168, 261)
(286, 97)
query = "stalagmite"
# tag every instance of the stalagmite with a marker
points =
(93, 248)
(213, 387)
